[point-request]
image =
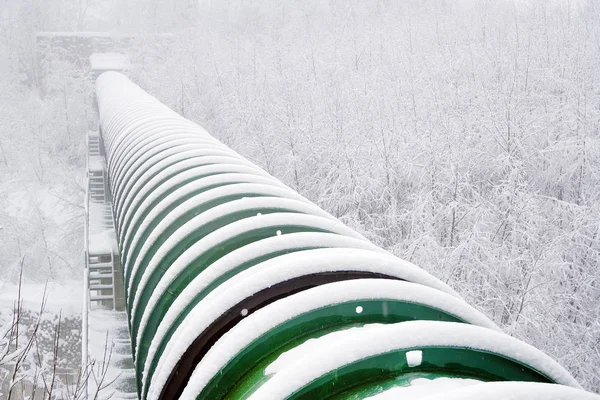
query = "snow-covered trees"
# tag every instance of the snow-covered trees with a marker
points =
(45, 107)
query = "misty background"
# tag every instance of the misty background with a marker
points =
(463, 136)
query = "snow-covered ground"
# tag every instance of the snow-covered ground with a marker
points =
(110, 349)
(61, 297)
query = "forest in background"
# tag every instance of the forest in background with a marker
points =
(461, 136)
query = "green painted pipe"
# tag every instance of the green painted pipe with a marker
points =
(239, 288)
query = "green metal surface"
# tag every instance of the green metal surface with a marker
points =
(245, 373)
(150, 330)
(131, 151)
(442, 361)
(154, 154)
(201, 262)
(399, 381)
(136, 201)
(168, 231)
(148, 209)
(187, 241)
(144, 234)
(125, 223)
(144, 183)
(133, 251)
(120, 199)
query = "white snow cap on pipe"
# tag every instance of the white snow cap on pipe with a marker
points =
(271, 272)
(131, 152)
(274, 314)
(137, 140)
(141, 190)
(125, 174)
(174, 174)
(514, 391)
(422, 387)
(216, 238)
(184, 154)
(218, 170)
(370, 340)
(112, 88)
(244, 204)
(141, 124)
(230, 261)
(136, 135)
(233, 229)
(230, 178)
(171, 194)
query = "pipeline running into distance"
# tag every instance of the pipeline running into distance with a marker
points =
(237, 287)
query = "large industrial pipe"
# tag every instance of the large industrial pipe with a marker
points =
(238, 287)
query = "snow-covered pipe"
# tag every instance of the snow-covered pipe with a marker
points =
(238, 287)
